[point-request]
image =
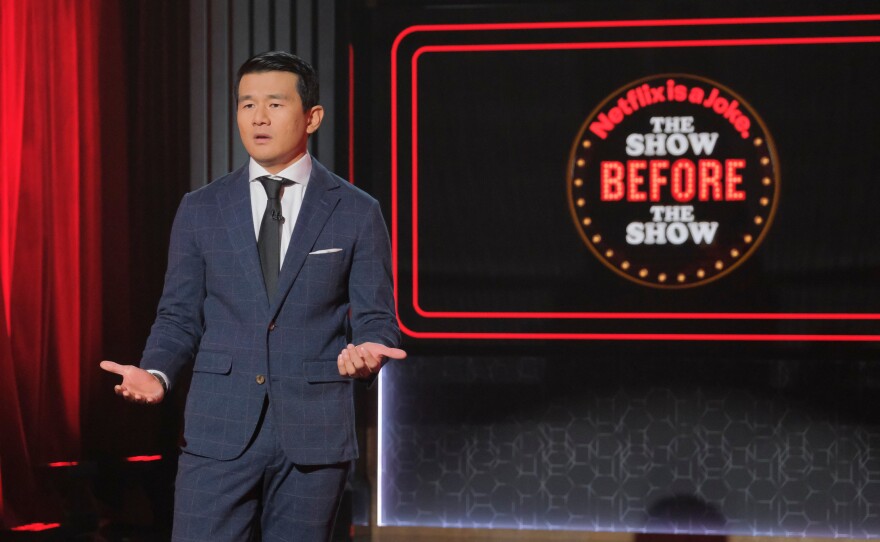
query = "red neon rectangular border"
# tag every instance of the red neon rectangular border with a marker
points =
(582, 46)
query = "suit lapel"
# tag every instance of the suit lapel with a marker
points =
(235, 207)
(317, 206)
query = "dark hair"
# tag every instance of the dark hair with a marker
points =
(282, 61)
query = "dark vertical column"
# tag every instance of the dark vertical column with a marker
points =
(303, 23)
(219, 81)
(247, 27)
(283, 22)
(325, 63)
(199, 119)
(262, 27)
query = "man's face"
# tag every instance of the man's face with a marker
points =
(271, 121)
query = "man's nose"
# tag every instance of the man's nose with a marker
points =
(260, 116)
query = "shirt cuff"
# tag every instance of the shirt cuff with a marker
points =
(163, 378)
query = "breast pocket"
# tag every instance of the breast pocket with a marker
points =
(325, 270)
(325, 256)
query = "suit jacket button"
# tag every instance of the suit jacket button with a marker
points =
(272, 326)
(261, 379)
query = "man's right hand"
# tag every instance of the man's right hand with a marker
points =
(138, 386)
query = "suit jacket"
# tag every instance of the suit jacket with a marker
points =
(215, 318)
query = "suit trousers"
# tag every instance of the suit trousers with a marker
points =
(259, 496)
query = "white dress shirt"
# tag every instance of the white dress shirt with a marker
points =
(291, 196)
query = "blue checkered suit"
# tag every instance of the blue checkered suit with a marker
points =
(214, 318)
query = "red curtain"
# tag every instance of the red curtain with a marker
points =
(50, 240)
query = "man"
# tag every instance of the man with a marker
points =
(269, 420)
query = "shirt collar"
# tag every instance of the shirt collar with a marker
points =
(297, 172)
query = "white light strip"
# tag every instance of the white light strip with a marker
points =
(380, 519)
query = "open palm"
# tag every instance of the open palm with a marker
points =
(138, 386)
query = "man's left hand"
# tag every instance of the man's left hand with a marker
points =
(366, 359)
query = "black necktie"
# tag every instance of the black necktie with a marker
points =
(269, 242)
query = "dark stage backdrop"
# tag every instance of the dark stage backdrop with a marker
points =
(571, 370)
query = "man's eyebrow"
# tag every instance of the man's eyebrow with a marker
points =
(270, 96)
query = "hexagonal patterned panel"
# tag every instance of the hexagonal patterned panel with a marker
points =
(662, 445)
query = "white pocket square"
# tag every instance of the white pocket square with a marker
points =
(325, 251)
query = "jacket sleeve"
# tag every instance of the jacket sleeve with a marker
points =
(371, 286)
(179, 323)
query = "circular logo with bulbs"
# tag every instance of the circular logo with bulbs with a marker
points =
(673, 181)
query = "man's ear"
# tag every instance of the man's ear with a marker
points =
(314, 117)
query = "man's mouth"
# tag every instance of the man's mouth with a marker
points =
(262, 138)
